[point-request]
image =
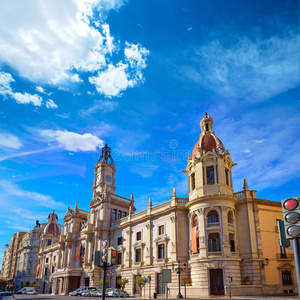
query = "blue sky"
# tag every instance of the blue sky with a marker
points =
(140, 75)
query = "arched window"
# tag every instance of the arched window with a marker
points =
(212, 217)
(195, 221)
(230, 217)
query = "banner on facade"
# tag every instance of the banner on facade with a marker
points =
(37, 271)
(79, 251)
(194, 240)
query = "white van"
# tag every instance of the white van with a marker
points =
(26, 289)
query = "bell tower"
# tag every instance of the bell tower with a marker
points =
(105, 170)
(209, 166)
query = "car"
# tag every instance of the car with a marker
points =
(6, 295)
(30, 293)
(124, 294)
(25, 289)
(113, 293)
(97, 293)
(76, 292)
(88, 292)
(81, 290)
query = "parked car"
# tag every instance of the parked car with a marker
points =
(25, 289)
(108, 290)
(6, 295)
(97, 293)
(124, 294)
(81, 290)
(88, 292)
(31, 292)
(113, 293)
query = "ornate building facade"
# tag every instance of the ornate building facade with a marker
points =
(217, 233)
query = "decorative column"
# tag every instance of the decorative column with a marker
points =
(226, 245)
(149, 244)
(128, 248)
(201, 232)
(173, 238)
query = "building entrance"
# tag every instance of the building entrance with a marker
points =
(216, 282)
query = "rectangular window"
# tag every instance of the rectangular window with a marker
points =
(124, 214)
(231, 242)
(53, 268)
(226, 177)
(139, 236)
(119, 258)
(119, 216)
(120, 241)
(46, 271)
(54, 257)
(210, 178)
(47, 259)
(137, 255)
(161, 251)
(193, 182)
(213, 242)
(287, 277)
(114, 214)
(161, 229)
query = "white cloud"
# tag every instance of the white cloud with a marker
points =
(40, 89)
(72, 141)
(10, 141)
(11, 189)
(100, 105)
(63, 115)
(5, 80)
(26, 98)
(45, 44)
(246, 151)
(112, 81)
(50, 104)
(249, 70)
(116, 79)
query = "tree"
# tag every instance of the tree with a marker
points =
(106, 283)
(122, 283)
(36, 286)
(141, 283)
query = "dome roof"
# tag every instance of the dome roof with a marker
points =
(52, 215)
(208, 143)
(52, 228)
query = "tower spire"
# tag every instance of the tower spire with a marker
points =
(105, 156)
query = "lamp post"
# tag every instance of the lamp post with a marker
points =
(178, 270)
(110, 273)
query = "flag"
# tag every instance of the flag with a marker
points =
(79, 250)
(37, 271)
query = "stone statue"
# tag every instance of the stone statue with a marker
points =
(37, 223)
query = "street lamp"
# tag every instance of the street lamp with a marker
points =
(179, 269)
(264, 263)
(110, 273)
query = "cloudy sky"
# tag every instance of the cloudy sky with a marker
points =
(140, 75)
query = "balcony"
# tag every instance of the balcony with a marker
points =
(284, 256)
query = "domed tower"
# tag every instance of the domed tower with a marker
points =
(214, 251)
(209, 166)
(52, 227)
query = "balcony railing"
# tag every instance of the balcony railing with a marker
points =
(284, 256)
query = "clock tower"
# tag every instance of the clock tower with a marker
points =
(105, 170)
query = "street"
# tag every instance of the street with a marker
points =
(263, 297)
